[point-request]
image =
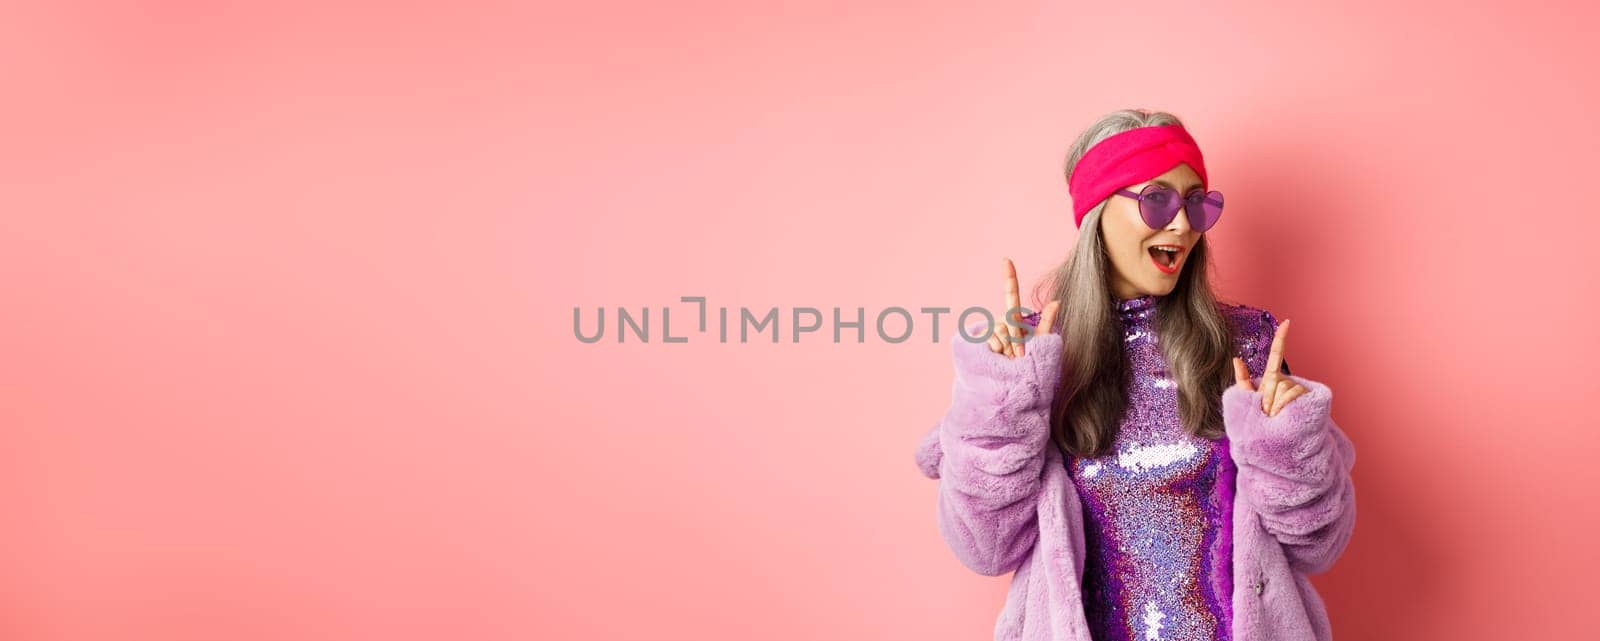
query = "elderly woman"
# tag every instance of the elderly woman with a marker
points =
(1149, 467)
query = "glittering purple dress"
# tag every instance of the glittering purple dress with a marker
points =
(1157, 511)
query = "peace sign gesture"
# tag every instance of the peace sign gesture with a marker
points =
(1276, 389)
(1007, 337)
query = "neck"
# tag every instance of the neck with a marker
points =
(1137, 308)
(1137, 297)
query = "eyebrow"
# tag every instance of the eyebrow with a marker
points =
(1168, 185)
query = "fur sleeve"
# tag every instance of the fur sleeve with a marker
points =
(1294, 471)
(988, 452)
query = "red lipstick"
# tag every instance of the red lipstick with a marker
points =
(1177, 258)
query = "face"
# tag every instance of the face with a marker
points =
(1138, 268)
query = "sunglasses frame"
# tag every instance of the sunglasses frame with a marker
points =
(1146, 208)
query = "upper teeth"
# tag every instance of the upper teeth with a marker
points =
(1168, 249)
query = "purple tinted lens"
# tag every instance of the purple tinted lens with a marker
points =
(1204, 210)
(1158, 205)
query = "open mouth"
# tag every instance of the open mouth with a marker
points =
(1166, 257)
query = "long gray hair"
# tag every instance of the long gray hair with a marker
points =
(1194, 333)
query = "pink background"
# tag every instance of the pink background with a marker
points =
(287, 347)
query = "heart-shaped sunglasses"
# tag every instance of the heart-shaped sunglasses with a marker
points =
(1159, 205)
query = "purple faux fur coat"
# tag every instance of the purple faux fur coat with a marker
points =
(1006, 503)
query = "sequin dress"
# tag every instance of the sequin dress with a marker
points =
(1157, 511)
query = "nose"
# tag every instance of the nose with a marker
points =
(1180, 222)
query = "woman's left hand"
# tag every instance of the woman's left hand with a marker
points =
(1276, 389)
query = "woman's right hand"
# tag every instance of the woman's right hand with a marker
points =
(1008, 337)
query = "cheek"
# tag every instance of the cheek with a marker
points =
(1124, 235)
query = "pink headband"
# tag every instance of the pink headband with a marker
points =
(1128, 158)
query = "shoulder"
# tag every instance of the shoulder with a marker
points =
(1249, 319)
(1253, 328)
